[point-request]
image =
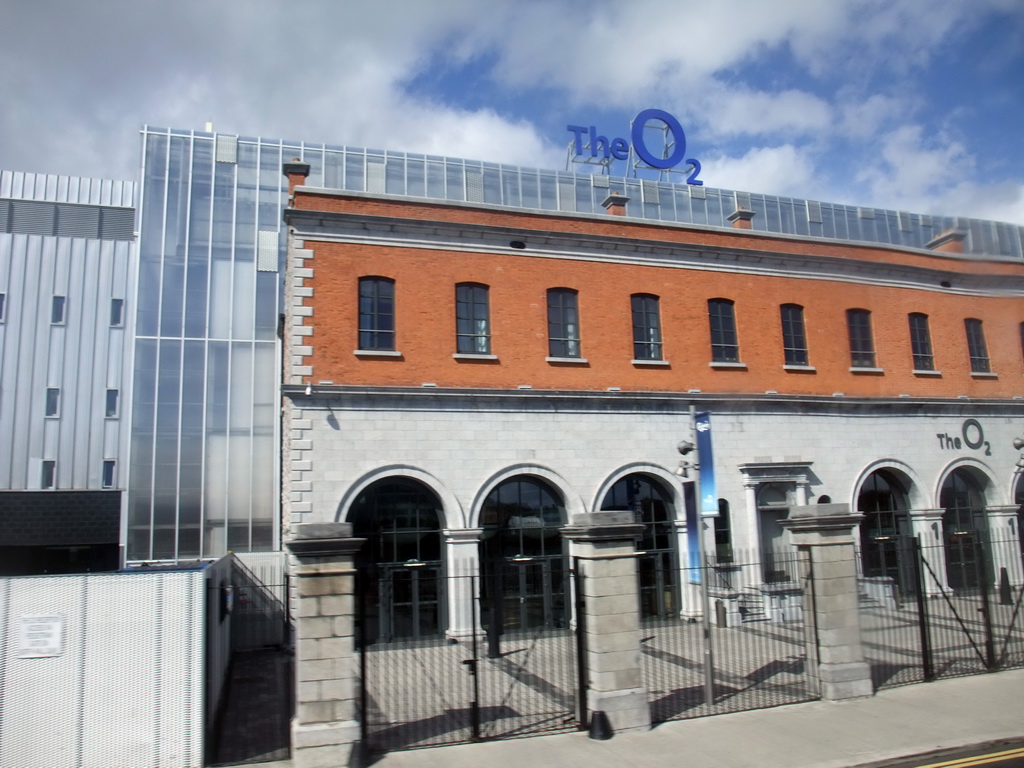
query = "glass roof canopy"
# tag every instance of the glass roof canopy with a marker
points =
(446, 178)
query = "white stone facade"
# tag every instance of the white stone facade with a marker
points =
(462, 444)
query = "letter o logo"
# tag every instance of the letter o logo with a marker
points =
(975, 424)
(674, 127)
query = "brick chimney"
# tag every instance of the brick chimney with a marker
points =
(741, 217)
(615, 204)
(296, 171)
(950, 241)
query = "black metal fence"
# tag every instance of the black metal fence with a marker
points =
(946, 610)
(423, 688)
(749, 652)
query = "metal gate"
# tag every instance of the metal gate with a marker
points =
(513, 677)
(744, 648)
(913, 634)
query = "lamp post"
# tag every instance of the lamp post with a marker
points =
(688, 448)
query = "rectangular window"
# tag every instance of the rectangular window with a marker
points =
(921, 342)
(109, 473)
(3, 306)
(563, 323)
(646, 327)
(113, 396)
(794, 337)
(48, 477)
(472, 319)
(376, 313)
(976, 346)
(57, 310)
(53, 401)
(862, 344)
(116, 313)
(725, 346)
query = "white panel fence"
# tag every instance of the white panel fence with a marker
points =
(113, 670)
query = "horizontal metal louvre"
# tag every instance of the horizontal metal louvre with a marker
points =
(266, 251)
(599, 180)
(78, 221)
(743, 200)
(697, 193)
(38, 217)
(866, 213)
(31, 217)
(117, 223)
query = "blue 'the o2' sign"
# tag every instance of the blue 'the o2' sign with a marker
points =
(618, 148)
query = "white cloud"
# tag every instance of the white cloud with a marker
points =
(741, 111)
(914, 168)
(783, 170)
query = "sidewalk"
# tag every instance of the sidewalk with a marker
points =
(894, 723)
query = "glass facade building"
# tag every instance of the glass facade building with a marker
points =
(204, 474)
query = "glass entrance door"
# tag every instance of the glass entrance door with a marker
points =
(408, 601)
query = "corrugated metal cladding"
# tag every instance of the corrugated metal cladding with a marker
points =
(37, 217)
(52, 249)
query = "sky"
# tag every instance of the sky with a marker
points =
(909, 104)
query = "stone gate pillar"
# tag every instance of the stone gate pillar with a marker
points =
(835, 653)
(1004, 543)
(325, 726)
(605, 545)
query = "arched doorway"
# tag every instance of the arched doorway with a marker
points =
(885, 529)
(400, 563)
(521, 558)
(963, 527)
(650, 506)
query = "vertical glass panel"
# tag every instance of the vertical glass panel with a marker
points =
(151, 243)
(266, 308)
(243, 321)
(200, 222)
(221, 284)
(455, 187)
(355, 174)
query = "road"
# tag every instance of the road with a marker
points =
(1003, 754)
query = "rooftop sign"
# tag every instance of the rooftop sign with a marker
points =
(589, 147)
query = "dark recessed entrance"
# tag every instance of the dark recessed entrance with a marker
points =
(521, 558)
(400, 563)
(650, 506)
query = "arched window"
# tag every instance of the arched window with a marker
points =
(883, 502)
(725, 345)
(522, 565)
(964, 527)
(400, 586)
(563, 323)
(472, 319)
(646, 327)
(647, 501)
(524, 515)
(862, 341)
(794, 339)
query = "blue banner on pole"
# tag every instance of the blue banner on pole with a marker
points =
(708, 490)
